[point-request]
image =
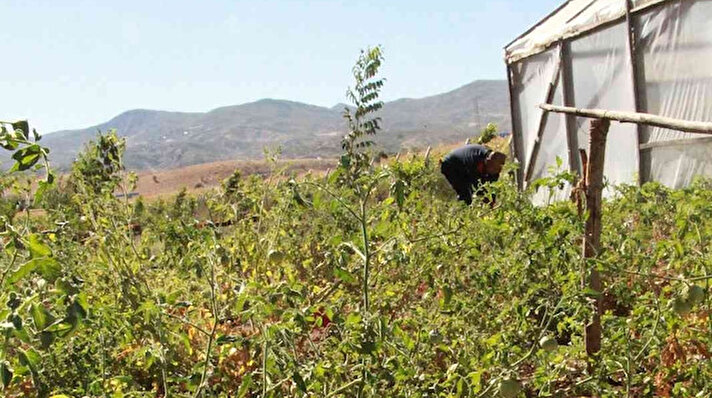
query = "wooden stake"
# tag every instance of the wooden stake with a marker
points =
(634, 117)
(592, 238)
(427, 155)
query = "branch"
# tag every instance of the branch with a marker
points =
(634, 117)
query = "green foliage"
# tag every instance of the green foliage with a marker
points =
(487, 134)
(362, 122)
(463, 301)
(98, 166)
(382, 285)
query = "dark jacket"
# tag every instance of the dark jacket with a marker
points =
(464, 168)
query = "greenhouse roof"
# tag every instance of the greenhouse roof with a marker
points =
(570, 19)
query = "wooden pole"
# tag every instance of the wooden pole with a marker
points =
(634, 117)
(427, 155)
(592, 238)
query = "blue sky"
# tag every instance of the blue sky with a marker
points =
(72, 64)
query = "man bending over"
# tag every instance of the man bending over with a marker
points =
(471, 166)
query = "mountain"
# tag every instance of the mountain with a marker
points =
(164, 140)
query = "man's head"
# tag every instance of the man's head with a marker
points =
(494, 162)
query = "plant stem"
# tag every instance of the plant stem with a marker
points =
(211, 337)
(264, 363)
(366, 256)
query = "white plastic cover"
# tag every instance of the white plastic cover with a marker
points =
(678, 164)
(602, 78)
(553, 146)
(675, 57)
(573, 17)
(676, 45)
(676, 49)
(530, 80)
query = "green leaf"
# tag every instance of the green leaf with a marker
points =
(225, 339)
(30, 358)
(475, 381)
(44, 187)
(23, 127)
(48, 267)
(41, 316)
(245, 386)
(344, 275)
(77, 309)
(446, 298)
(17, 322)
(37, 248)
(60, 327)
(5, 373)
(26, 157)
(60, 396)
(398, 192)
(47, 338)
(588, 292)
(299, 381)
(22, 272)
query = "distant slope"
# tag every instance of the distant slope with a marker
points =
(165, 140)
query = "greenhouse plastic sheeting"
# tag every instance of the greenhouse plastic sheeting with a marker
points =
(531, 80)
(553, 145)
(676, 48)
(574, 17)
(677, 165)
(602, 78)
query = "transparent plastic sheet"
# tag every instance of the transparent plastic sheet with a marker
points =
(574, 17)
(676, 49)
(602, 78)
(547, 31)
(677, 165)
(531, 80)
(553, 145)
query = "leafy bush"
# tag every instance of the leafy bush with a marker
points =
(487, 134)
(379, 284)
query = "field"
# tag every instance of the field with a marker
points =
(367, 281)
(382, 286)
(199, 178)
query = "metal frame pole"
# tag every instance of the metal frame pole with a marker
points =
(534, 152)
(635, 75)
(516, 131)
(568, 90)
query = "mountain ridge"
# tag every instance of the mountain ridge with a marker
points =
(158, 139)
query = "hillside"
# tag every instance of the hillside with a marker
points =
(165, 140)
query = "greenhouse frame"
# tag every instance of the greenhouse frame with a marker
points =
(650, 56)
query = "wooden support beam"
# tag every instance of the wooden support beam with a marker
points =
(427, 155)
(591, 277)
(634, 117)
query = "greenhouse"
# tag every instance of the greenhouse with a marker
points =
(648, 56)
